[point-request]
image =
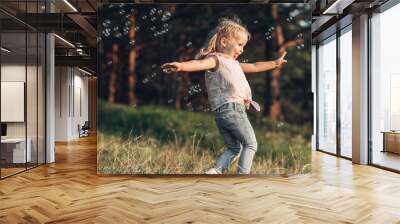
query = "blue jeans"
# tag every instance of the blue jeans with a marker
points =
(239, 137)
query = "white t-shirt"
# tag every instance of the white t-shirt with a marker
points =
(227, 83)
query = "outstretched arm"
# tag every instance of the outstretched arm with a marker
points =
(263, 66)
(190, 66)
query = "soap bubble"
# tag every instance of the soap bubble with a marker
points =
(255, 21)
(153, 65)
(106, 32)
(132, 42)
(189, 44)
(301, 46)
(152, 11)
(195, 89)
(166, 16)
(303, 23)
(146, 80)
(294, 13)
(300, 35)
(152, 28)
(144, 17)
(268, 34)
(126, 30)
(106, 23)
(170, 100)
(289, 19)
(153, 19)
(118, 34)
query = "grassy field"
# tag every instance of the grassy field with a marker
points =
(157, 140)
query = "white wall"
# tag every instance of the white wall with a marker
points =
(16, 73)
(13, 72)
(80, 105)
(61, 103)
(9, 73)
(71, 102)
(33, 127)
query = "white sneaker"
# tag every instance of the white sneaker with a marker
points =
(212, 171)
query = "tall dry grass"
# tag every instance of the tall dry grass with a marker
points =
(159, 140)
(146, 155)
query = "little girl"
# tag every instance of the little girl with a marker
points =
(229, 93)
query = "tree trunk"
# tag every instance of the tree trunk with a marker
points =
(275, 111)
(132, 79)
(114, 74)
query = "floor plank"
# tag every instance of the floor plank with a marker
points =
(70, 191)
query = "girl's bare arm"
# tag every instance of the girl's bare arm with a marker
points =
(263, 66)
(191, 66)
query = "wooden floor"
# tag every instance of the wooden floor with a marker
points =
(5, 172)
(70, 191)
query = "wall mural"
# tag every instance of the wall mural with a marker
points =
(204, 89)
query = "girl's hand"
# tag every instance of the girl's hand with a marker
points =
(281, 60)
(172, 67)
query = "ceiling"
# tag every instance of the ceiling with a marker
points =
(76, 22)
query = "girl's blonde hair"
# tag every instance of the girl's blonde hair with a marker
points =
(226, 28)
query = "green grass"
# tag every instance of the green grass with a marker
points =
(165, 141)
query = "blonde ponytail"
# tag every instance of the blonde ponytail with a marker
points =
(209, 47)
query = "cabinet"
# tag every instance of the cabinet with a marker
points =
(391, 141)
(13, 150)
